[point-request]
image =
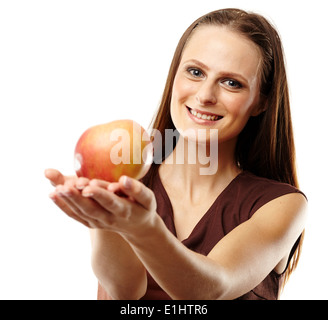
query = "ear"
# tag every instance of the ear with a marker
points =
(260, 107)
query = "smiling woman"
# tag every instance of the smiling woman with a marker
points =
(234, 233)
(216, 77)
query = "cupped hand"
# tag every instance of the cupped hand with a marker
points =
(122, 207)
(125, 206)
(56, 177)
(63, 183)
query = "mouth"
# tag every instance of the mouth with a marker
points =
(203, 115)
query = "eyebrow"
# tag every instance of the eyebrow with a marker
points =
(224, 73)
(202, 65)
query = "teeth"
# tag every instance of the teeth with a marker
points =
(203, 116)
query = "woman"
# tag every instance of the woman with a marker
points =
(184, 233)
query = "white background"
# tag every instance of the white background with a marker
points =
(67, 65)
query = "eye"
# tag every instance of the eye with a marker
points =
(233, 84)
(195, 72)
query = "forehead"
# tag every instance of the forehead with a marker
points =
(223, 50)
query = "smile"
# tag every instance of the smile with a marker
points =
(204, 116)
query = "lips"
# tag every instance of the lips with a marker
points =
(204, 115)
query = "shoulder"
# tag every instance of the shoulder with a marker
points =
(253, 192)
(283, 210)
(256, 182)
(263, 240)
(277, 208)
(281, 222)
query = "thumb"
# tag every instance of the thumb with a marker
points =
(139, 192)
(54, 176)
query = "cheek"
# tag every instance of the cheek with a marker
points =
(182, 89)
(179, 96)
(239, 105)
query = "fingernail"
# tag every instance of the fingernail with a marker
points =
(66, 192)
(87, 194)
(52, 196)
(127, 182)
(63, 192)
(110, 187)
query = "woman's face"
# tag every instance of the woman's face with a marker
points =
(216, 85)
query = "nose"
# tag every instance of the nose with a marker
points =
(206, 94)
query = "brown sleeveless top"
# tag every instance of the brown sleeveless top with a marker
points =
(237, 203)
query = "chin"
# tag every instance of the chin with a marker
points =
(199, 135)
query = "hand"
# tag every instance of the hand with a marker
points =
(125, 206)
(97, 204)
(56, 177)
(62, 182)
(114, 263)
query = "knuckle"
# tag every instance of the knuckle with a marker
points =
(108, 220)
(99, 183)
(138, 190)
(94, 182)
(70, 183)
(150, 200)
(81, 182)
(109, 203)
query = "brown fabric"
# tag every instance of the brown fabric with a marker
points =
(236, 204)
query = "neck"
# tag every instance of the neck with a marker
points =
(202, 164)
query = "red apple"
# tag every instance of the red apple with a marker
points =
(108, 151)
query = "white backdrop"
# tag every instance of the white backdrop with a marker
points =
(66, 65)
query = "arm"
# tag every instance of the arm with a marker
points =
(238, 263)
(117, 268)
(114, 263)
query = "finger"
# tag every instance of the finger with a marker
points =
(81, 183)
(66, 207)
(107, 200)
(113, 187)
(54, 176)
(99, 183)
(138, 191)
(110, 186)
(116, 188)
(78, 204)
(87, 208)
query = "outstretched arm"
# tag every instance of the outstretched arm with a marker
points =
(238, 263)
(114, 263)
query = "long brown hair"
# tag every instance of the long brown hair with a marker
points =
(265, 146)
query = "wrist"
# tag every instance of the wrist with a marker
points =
(144, 235)
(102, 238)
